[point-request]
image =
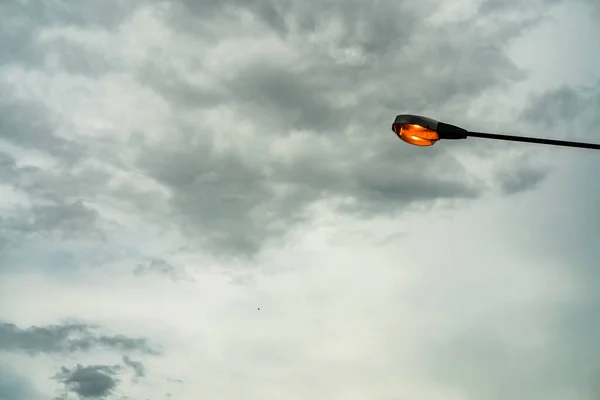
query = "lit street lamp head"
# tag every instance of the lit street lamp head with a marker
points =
(422, 131)
(416, 130)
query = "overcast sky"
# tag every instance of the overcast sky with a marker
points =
(203, 199)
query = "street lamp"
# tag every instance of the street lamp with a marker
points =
(422, 131)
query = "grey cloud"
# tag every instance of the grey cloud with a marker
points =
(56, 207)
(61, 339)
(572, 108)
(22, 21)
(86, 13)
(179, 92)
(21, 44)
(516, 181)
(290, 97)
(361, 24)
(125, 343)
(216, 195)
(7, 167)
(234, 202)
(563, 104)
(74, 217)
(76, 59)
(138, 367)
(91, 381)
(161, 267)
(390, 27)
(27, 124)
(58, 219)
(186, 10)
(38, 339)
(309, 93)
(502, 5)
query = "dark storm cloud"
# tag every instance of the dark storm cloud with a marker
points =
(341, 90)
(236, 202)
(91, 381)
(396, 42)
(66, 338)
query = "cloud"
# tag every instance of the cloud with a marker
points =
(50, 211)
(265, 131)
(161, 267)
(71, 218)
(20, 39)
(563, 104)
(89, 382)
(528, 177)
(66, 338)
(325, 107)
(125, 343)
(138, 367)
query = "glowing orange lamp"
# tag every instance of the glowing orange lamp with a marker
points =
(416, 134)
(422, 131)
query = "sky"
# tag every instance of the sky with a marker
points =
(204, 199)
